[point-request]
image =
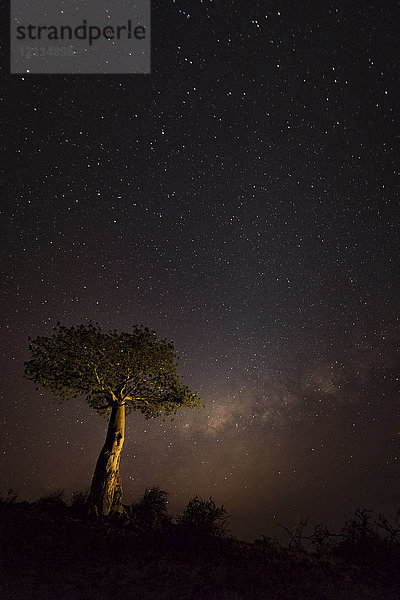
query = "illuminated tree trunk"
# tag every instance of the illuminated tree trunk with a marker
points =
(106, 491)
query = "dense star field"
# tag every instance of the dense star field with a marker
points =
(242, 201)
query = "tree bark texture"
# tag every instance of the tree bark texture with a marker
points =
(106, 490)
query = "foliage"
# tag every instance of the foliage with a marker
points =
(11, 497)
(391, 530)
(203, 517)
(135, 369)
(55, 498)
(151, 512)
(79, 499)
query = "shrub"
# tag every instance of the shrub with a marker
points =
(79, 499)
(11, 497)
(204, 518)
(151, 512)
(55, 498)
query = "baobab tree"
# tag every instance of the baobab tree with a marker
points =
(114, 373)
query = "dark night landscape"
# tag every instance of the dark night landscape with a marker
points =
(199, 333)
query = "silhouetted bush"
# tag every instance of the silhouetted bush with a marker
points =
(151, 557)
(269, 546)
(297, 538)
(204, 518)
(322, 541)
(79, 499)
(151, 512)
(391, 531)
(365, 540)
(11, 497)
(78, 504)
(55, 499)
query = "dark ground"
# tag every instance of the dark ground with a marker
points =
(52, 551)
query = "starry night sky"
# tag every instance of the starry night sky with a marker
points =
(242, 201)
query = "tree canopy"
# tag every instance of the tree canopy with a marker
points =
(135, 369)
